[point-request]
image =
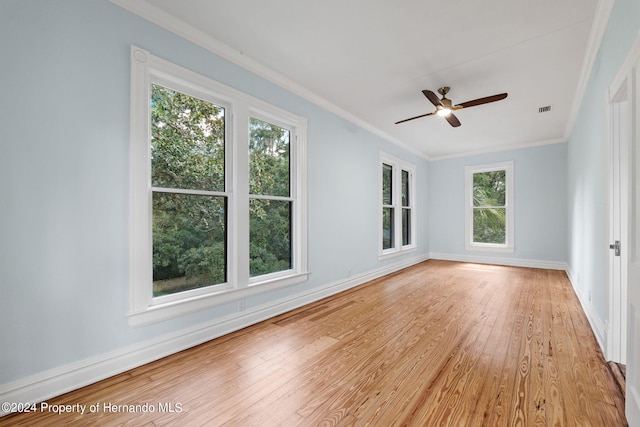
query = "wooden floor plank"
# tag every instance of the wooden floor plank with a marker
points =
(440, 343)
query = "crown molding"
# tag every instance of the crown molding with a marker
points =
(501, 148)
(169, 22)
(598, 28)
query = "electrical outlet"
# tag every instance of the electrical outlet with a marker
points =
(242, 304)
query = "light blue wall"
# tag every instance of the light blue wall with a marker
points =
(539, 196)
(64, 135)
(587, 167)
(64, 129)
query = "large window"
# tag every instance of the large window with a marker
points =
(218, 209)
(489, 207)
(397, 229)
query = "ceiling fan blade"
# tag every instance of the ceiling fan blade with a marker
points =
(432, 97)
(453, 120)
(481, 101)
(416, 117)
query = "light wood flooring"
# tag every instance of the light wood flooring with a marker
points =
(437, 344)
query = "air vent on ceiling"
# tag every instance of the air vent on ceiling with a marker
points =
(544, 109)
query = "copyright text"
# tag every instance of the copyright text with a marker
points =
(103, 407)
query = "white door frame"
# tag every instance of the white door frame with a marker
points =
(618, 120)
(630, 73)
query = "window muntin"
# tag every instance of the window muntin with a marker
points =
(189, 183)
(398, 196)
(489, 207)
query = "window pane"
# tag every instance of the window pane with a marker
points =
(406, 227)
(189, 234)
(387, 182)
(269, 236)
(489, 188)
(187, 141)
(405, 188)
(387, 228)
(489, 225)
(268, 159)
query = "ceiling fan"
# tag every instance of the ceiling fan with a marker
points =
(445, 108)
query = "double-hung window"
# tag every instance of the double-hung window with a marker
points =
(270, 201)
(217, 193)
(489, 207)
(189, 201)
(397, 228)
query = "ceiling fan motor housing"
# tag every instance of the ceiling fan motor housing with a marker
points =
(446, 102)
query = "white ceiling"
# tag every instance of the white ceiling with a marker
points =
(369, 60)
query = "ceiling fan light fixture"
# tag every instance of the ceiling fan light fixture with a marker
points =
(443, 112)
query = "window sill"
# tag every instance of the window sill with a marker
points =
(396, 253)
(160, 312)
(487, 247)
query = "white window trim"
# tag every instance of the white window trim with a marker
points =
(398, 166)
(470, 245)
(143, 307)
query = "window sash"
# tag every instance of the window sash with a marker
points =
(388, 228)
(406, 226)
(280, 236)
(387, 184)
(489, 232)
(194, 135)
(281, 185)
(406, 190)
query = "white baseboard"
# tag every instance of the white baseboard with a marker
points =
(54, 382)
(597, 325)
(549, 265)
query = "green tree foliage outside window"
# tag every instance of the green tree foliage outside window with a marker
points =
(489, 209)
(406, 209)
(189, 230)
(388, 220)
(270, 217)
